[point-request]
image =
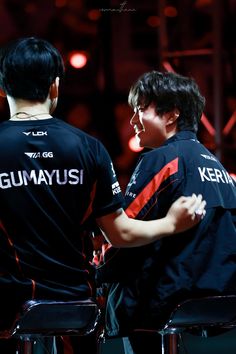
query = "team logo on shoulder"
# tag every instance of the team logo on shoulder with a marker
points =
(133, 179)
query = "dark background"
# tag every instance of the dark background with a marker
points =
(124, 39)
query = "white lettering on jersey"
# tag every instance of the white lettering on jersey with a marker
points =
(209, 174)
(35, 133)
(130, 194)
(209, 157)
(55, 177)
(35, 155)
(116, 188)
(74, 178)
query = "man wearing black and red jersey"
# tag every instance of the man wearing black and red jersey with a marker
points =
(55, 183)
(148, 282)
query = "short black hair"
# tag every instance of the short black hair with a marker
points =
(28, 66)
(167, 91)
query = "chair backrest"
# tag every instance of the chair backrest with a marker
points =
(51, 318)
(218, 311)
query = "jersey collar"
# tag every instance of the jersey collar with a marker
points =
(183, 135)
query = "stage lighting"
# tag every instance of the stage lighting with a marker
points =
(133, 145)
(78, 59)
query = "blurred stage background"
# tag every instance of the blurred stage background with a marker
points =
(108, 44)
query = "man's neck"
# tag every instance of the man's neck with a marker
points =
(28, 110)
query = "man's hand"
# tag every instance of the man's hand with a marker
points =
(186, 212)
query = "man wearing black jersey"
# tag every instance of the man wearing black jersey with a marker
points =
(147, 282)
(55, 182)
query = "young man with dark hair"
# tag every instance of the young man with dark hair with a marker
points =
(147, 282)
(55, 183)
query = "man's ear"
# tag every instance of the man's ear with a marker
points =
(2, 93)
(53, 91)
(173, 116)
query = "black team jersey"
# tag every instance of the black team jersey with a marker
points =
(54, 181)
(148, 281)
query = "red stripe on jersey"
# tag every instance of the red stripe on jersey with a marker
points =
(90, 207)
(145, 195)
(33, 288)
(67, 345)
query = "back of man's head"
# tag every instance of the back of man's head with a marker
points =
(28, 66)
